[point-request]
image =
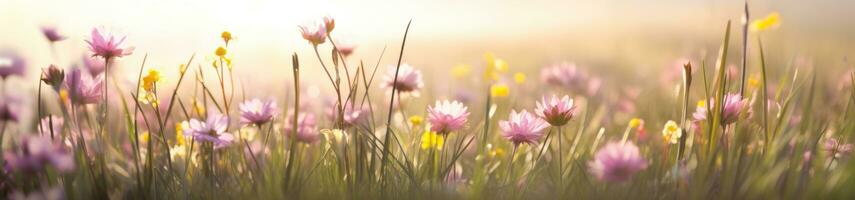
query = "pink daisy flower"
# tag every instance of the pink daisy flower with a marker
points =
(556, 111)
(446, 117)
(617, 162)
(213, 130)
(409, 79)
(106, 46)
(523, 127)
(314, 33)
(257, 112)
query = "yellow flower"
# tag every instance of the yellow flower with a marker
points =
(702, 104)
(179, 133)
(416, 120)
(63, 95)
(672, 132)
(151, 79)
(635, 122)
(500, 90)
(144, 137)
(461, 71)
(753, 82)
(519, 77)
(495, 152)
(248, 133)
(494, 67)
(221, 52)
(147, 97)
(227, 36)
(432, 140)
(770, 21)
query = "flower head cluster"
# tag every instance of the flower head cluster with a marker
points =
(257, 112)
(446, 117)
(35, 153)
(213, 130)
(106, 46)
(617, 162)
(523, 127)
(556, 111)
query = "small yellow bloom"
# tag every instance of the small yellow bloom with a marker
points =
(672, 132)
(63, 95)
(221, 52)
(227, 36)
(495, 152)
(151, 79)
(702, 104)
(200, 110)
(519, 77)
(635, 122)
(144, 137)
(770, 21)
(461, 71)
(494, 67)
(179, 133)
(500, 90)
(248, 133)
(432, 140)
(753, 82)
(416, 120)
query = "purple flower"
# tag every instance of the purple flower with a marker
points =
(82, 88)
(306, 132)
(315, 33)
(556, 111)
(409, 79)
(352, 116)
(10, 109)
(733, 107)
(107, 47)
(93, 66)
(213, 130)
(35, 153)
(446, 117)
(836, 149)
(257, 112)
(51, 125)
(563, 75)
(345, 48)
(617, 162)
(11, 63)
(51, 34)
(523, 127)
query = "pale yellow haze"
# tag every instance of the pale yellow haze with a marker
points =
(445, 33)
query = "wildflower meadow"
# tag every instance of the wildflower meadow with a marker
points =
(737, 121)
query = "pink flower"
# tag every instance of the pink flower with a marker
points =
(556, 111)
(306, 132)
(733, 107)
(36, 153)
(82, 88)
(329, 23)
(345, 48)
(11, 64)
(51, 34)
(836, 149)
(568, 76)
(446, 117)
(213, 130)
(107, 47)
(51, 125)
(523, 127)
(617, 162)
(314, 33)
(257, 112)
(409, 79)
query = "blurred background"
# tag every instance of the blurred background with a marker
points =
(619, 37)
